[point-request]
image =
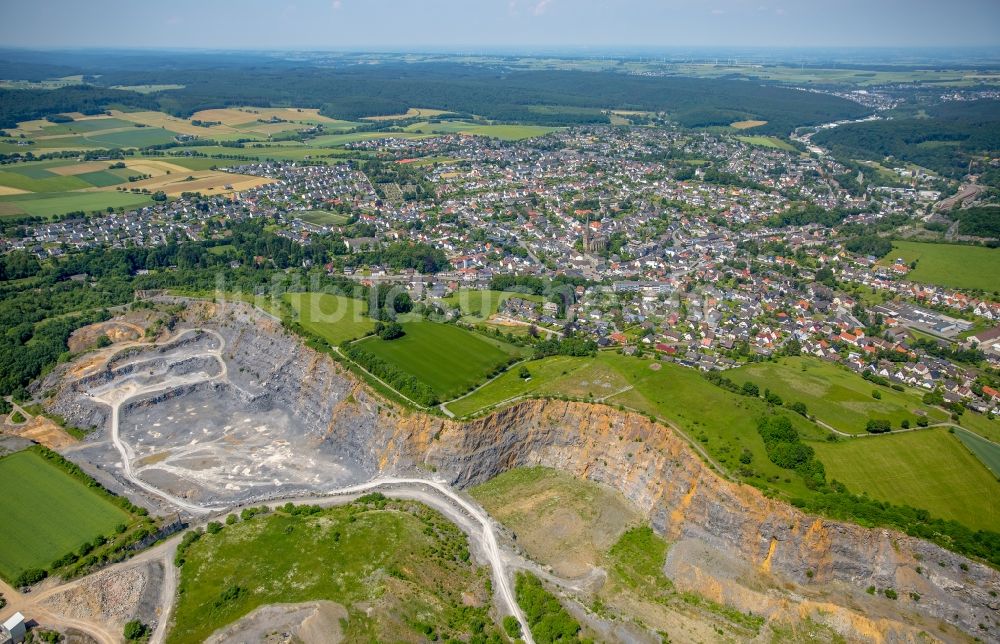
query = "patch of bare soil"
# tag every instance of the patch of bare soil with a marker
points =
(42, 430)
(116, 330)
(309, 623)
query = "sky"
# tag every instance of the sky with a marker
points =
(483, 25)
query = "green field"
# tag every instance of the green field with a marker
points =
(393, 566)
(57, 203)
(504, 132)
(46, 513)
(836, 396)
(767, 142)
(986, 451)
(927, 469)
(334, 318)
(134, 138)
(322, 218)
(952, 265)
(545, 374)
(447, 358)
(480, 305)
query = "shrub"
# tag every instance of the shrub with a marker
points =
(135, 631)
(30, 577)
(877, 426)
(890, 593)
(213, 527)
(512, 627)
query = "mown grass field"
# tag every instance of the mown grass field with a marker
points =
(504, 132)
(394, 566)
(334, 318)
(927, 469)
(447, 358)
(480, 305)
(545, 373)
(836, 396)
(46, 513)
(952, 265)
(986, 451)
(322, 218)
(57, 203)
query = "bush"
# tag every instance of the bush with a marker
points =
(877, 426)
(750, 389)
(548, 620)
(890, 593)
(135, 631)
(512, 627)
(30, 577)
(799, 408)
(213, 527)
(876, 394)
(389, 330)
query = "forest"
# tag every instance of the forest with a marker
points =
(954, 135)
(353, 91)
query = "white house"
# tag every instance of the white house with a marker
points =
(13, 630)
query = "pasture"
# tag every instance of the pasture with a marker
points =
(58, 203)
(951, 265)
(46, 513)
(927, 469)
(836, 396)
(334, 318)
(545, 374)
(503, 132)
(445, 357)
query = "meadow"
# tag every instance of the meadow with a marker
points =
(409, 559)
(928, 469)
(480, 305)
(834, 395)
(767, 141)
(322, 217)
(986, 451)
(46, 513)
(447, 358)
(503, 132)
(952, 265)
(334, 318)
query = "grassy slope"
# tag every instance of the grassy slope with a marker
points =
(447, 358)
(970, 267)
(838, 397)
(46, 513)
(544, 373)
(927, 469)
(333, 317)
(405, 561)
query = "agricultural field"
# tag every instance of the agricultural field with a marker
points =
(747, 125)
(413, 112)
(46, 513)
(56, 187)
(390, 567)
(480, 305)
(834, 395)
(986, 451)
(445, 357)
(147, 89)
(504, 132)
(766, 141)
(929, 469)
(334, 318)
(951, 265)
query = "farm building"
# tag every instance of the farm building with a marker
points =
(13, 630)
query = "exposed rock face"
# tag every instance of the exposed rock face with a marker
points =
(730, 542)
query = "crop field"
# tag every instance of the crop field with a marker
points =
(504, 132)
(334, 318)
(322, 217)
(927, 469)
(211, 182)
(57, 203)
(480, 305)
(952, 265)
(147, 89)
(447, 358)
(767, 141)
(746, 125)
(413, 112)
(836, 396)
(986, 451)
(46, 513)
(391, 567)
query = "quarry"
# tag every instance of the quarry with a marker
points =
(230, 409)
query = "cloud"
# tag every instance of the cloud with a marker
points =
(541, 6)
(337, 4)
